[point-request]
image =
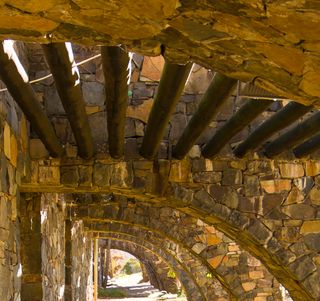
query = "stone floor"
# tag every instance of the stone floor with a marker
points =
(140, 291)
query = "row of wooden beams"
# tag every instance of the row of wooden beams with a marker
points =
(115, 62)
(217, 93)
(25, 97)
(293, 137)
(170, 88)
(280, 120)
(67, 80)
(248, 112)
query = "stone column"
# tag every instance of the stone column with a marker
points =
(30, 231)
(68, 261)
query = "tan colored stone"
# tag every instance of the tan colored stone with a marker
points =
(256, 274)
(140, 112)
(316, 260)
(49, 174)
(233, 248)
(7, 140)
(310, 227)
(180, 171)
(213, 239)
(312, 168)
(215, 261)
(248, 286)
(275, 186)
(152, 68)
(13, 150)
(314, 195)
(295, 196)
(291, 170)
(92, 110)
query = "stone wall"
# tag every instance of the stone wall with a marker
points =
(53, 246)
(13, 160)
(82, 259)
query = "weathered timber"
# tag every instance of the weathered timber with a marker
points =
(115, 68)
(170, 88)
(217, 93)
(280, 120)
(249, 111)
(293, 137)
(25, 97)
(67, 81)
(308, 147)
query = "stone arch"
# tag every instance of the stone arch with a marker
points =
(222, 257)
(192, 288)
(157, 269)
(265, 205)
(209, 285)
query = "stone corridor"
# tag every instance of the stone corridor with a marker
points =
(185, 133)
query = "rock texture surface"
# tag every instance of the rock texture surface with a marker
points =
(273, 43)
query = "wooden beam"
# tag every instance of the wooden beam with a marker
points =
(301, 132)
(115, 68)
(308, 147)
(249, 111)
(280, 120)
(22, 93)
(217, 93)
(173, 80)
(59, 56)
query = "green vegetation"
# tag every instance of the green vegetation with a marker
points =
(132, 266)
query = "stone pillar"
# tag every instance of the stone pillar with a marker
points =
(30, 231)
(68, 261)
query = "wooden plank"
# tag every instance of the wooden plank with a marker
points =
(280, 120)
(217, 93)
(59, 56)
(248, 112)
(22, 93)
(301, 132)
(170, 88)
(115, 68)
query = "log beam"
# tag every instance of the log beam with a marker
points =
(115, 68)
(280, 120)
(248, 112)
(59, 56)
(308, 147)
(173, 80)
(217, 93)
(22, 93)
(301, 132)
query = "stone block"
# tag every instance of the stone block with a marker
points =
(312, 168)
(295, 196)
(310, 227)
(141, 111)
(314, 195)
(7, 140)
(299, 211)
(251, 185)
(232, 177)
(85, 175)
(291, 170)
(256, 274)
(215, 261)
(102, 174)
(93, 93)
(151, 68)
(275, 186)
(13, 150)
(69, 175)
(271, 201)
(49, 175)
(248, 286)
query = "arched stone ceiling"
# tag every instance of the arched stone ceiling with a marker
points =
(273, 43)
